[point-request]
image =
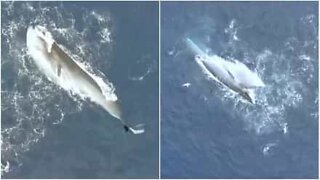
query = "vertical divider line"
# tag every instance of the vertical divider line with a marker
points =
(1, 83)
(318, 92)
(159, 66)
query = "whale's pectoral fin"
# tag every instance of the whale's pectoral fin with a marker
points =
(230, 74)
(249, 95)
(137, 130)
(59, 70)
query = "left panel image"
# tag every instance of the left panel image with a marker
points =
(79, 90)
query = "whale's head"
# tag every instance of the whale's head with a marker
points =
(39, 39)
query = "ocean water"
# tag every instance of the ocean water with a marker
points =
(208, 132)
(49, 133)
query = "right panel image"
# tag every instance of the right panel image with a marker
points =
(239, 90)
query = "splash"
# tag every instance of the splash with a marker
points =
(30, 103)
(267, 149)
(142, 68)
(232, 30)
(186, 85)
(288, 80)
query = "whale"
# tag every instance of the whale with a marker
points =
(55, 63)
(234, 75)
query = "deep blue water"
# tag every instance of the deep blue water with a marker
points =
(87, 142)
(204, 134)
(207, 135)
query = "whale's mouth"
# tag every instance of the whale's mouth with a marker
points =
(40, 32)
(39, 36)
(43, 33)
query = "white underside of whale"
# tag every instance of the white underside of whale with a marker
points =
(70, 75)
(235, 75)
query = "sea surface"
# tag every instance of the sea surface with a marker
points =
(47, 132)
(208, 132)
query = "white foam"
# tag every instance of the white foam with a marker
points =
(267, 148)
(232, 30)
(186, 85)
(147, 63)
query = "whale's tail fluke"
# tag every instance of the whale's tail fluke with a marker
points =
(137, 130)
(126, 128)
(114, 109)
